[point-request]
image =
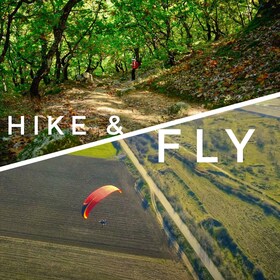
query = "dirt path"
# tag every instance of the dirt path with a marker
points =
(211, 267)
(137, 108)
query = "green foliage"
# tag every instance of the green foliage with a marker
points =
(53, 91)
(176, 108)
(100, 35)
(220, 233)
(14, 104)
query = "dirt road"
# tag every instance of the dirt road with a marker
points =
(174, 216)
(136, 107)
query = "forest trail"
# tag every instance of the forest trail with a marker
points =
(137, 108)
(107, 96)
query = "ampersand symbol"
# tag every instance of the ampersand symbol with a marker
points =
(113, 124)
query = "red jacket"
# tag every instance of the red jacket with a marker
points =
(135, 64)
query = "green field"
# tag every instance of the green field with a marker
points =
(261, 166)
(102, 151)
(232, 208)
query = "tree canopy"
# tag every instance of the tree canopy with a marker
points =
(56, 40)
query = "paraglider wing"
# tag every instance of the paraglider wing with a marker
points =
(95, 197)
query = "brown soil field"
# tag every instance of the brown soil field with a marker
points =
(41, 204)
(33, 260)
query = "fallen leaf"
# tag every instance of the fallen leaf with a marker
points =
(262, 78)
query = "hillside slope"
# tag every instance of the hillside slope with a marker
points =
(229, 71)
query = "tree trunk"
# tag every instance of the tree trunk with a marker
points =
(119, 66)
(47, 61)
(65, 61)
(57, 66)
(34, 89)
(137, 54)
(266, 6)
(65, 64)
(208, 31)
(79, 67)
(171, 58)
(100, 65)
(22, 79)
(8, 32)
(31, 73)
(65, 71)
(2, 79)
(188, 31)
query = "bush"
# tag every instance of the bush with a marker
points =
(177, 108)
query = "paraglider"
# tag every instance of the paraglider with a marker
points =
(95, 197)
(103, 222)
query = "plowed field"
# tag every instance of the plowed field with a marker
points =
(41, 224)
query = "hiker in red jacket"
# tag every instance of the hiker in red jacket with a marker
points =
(134, 65)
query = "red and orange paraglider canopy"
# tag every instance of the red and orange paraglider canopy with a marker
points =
(95, 197)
